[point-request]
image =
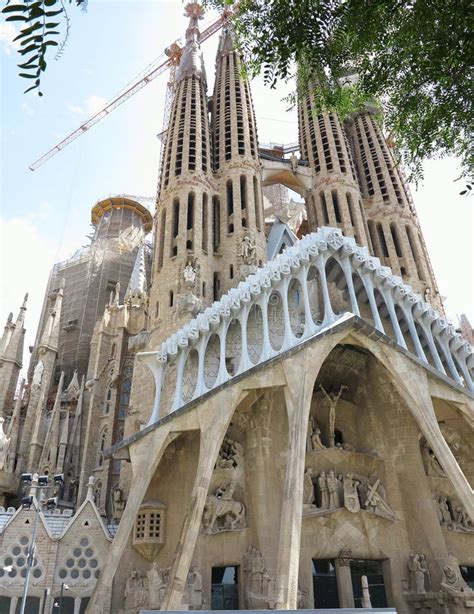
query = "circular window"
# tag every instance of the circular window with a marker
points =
(74, 573)
(89, 552)
(16, 550)
(62, 573)
(82, 563)
(20, 562)
(77, 552)
(37, 573)
(86, 573)
(24, 540)
(12, 573)
(93, 563)
(70, 563)
(84, 542)
(8, 561)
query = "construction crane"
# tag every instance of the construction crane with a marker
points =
(169, 59)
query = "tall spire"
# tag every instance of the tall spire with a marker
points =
(192, 62)
(11, 357)
(51, 442)
(137, 287)
(50, 336)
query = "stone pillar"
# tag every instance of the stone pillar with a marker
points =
(344, 583)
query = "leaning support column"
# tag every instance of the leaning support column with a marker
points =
(412, 384)
(300, 375)
(145, 456)
(214, 422)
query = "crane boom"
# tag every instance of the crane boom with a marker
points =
(163, 62)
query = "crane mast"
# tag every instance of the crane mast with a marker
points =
(169, 59)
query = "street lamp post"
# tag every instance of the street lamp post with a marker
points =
(36, 482)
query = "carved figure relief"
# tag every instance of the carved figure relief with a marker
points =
(259, 585)
(417, 571)
(453, 516)
(222, 512)
(189, 275)
(136, 590)
(248, 250)
(308, 488)
(430, 462)
(333, 400)
(38, 374)
(314, 436)
(4, 445)
(452, 581)
(194, 589)
(353, 492)
(231, 455)
(118, 503)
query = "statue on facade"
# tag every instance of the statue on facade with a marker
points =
(156, 586)
(417, 574)
(462, 522)
(323, 491)
(431, 463)
(351, 495)
(231, 455)
(308, 488)
(4, 444)
(248, 250)
(38, 374)
(314, 436)
(444, 511)
(333, 491)
(194, 589)
(118, 503)
(222, 512)
(136, 590)
(333, 400)
(376, 503)
(189, 275)
(259, 585)
(188, 303)
(117, 294)
(426, 571)
(293, 162)
(452, 581)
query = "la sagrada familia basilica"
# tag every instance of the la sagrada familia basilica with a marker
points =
(243, 413)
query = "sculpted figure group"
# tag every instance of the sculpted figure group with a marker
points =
(147, 588)
(420, 575)
(259, 585)
(453, 516)
(333, 491)
(222, 512)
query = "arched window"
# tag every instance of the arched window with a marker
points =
(107, 399)
(230, 206)
(125, 387)
(102, 445)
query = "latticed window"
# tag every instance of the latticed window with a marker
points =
(149, 530)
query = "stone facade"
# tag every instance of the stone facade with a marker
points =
(235, 433)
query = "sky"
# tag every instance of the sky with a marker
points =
(45, 214)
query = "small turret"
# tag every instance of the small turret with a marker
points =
(11, 357)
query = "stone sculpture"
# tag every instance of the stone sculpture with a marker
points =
(156, 586)
(426, 571)
(38, 374)
(222, 512)
(259, 585)
(194, 589)
(308, 488)
(189, 275)
(248, 250)
(231, 455)
(462, 522)
(377, 505)
(452, 581)
(136, 590)
(417, 574)
(4, 445)
(293, 162)
(351, 495)
(431, 463)
(118, 503)
(314, 436)
(333, 400)
(444, 511)
(323, 491)
(333, 491)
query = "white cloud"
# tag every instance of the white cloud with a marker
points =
(95, 103)
(91, 105)
(7, 34)
(25, 107)
(25, 260)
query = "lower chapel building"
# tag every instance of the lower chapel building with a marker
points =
(245, 413)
